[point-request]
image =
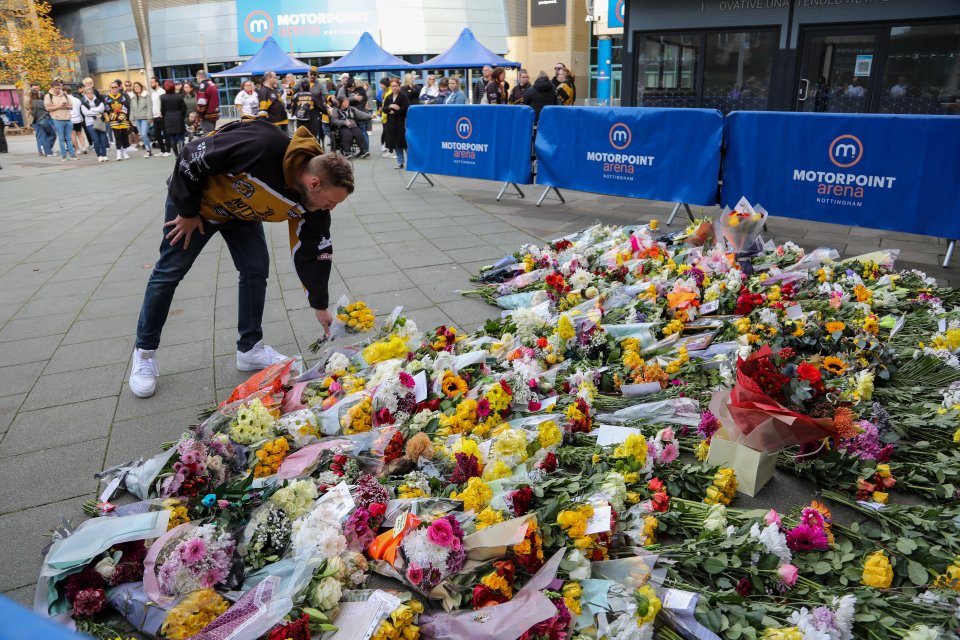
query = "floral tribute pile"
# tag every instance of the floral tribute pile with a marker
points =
(556, 475)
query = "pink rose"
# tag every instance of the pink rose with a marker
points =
(788, 573)
(335, 387)
(666, 434)
(772, 517)
(440, 533)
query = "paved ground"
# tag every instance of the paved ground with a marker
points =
(78, 244)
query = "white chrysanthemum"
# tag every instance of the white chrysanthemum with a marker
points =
(528, 322)
(338, 362)
(923, 632)
(384, 371)
(775, 542)
(408, 330)
(318, 534)
(843, 615)
(581, 279)
(769, 317)
(420, 551)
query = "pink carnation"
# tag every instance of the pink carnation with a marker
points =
(772, 517)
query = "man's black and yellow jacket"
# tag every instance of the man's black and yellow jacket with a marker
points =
(243, 171)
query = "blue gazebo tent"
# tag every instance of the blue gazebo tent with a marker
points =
(367, 55)
(466, 53)
(270, 58)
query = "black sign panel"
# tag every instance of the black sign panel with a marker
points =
(548, 12)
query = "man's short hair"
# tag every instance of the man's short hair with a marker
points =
(201, 73)
(333, 170)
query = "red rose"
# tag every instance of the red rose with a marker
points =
(661, 501)
(549, 463)
(377, 509)
(521, 499)
(655, 484)
(484, 596)
(744, 587)
(809, 373)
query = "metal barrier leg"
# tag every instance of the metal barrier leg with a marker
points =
(414, 178)
(689, 213)
(543, 195)
(947, 258)
(503, 190)
(559, 195)
(673, 214)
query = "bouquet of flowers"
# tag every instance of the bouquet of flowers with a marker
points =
(424, 554)
(190, 559)
(740, 228)
(755, 410)
(351, 318)
(266, 537)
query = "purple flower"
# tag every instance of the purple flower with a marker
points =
(212, 576)
(456, 559)
(708, 425)
(369, 491)
(824, 619)
(807, 538)
(431, 578)
(192, 551)
(466, 467)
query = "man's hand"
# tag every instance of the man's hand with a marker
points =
(325, 318)
(183, 228)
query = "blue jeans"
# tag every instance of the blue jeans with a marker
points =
(45, 139)
(64, 127)
(401, 157)
(248, 248)
(143, 126)
(175, 142)
(99, 138)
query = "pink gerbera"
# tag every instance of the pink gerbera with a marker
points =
(807, 538)
(483, 408)
(192, 551)
(669, 453)
(407, 380)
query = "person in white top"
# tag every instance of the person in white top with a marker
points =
(91, 109)
(247, 102)
(855, 89)
(76, 119)
(158, 129)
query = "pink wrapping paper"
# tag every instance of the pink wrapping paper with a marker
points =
(299, 461)
(291, 400)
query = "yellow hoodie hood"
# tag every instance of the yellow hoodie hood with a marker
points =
(303, 147)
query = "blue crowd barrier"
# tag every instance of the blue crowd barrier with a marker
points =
(657, 154)
(893, 172)
(488, 142)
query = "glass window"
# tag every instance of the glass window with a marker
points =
(668, 67)
(736, 70)
(922, 70)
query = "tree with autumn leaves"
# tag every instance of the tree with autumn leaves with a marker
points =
(32, 49)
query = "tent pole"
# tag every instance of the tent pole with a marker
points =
(470, 85)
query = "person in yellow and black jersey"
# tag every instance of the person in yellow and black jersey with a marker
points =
(306, 109)
(272, 108)
(229, 182)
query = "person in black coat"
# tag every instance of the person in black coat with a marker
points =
(540, 95)
(173, 110)
(395, 106)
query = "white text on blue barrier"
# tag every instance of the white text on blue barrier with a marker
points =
(619, 158)
(830, 177)
(464, 146)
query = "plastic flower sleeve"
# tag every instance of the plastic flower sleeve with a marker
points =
(675, 411)
(508, 620)
(143, 614)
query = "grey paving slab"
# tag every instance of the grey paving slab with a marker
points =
(27, 350)
(24, 595)
(58, 426)
(95, 353)
(132, 438)
(366, 268)
(468, 313)
(9, 406)
(23, 538)
(363, 285)
(174, 391)
(35, 327)
(86, 384)
(50, 475)
(19, 378)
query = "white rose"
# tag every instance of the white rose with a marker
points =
(326, 594)
(105, 568)
(591, 293)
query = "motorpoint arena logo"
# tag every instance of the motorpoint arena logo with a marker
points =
(846, 151)
(464, 128)
(620, 136)
(258, 25)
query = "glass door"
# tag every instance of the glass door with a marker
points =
(837, 70)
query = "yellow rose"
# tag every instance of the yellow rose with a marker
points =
(877, 571)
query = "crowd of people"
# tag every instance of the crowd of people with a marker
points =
(160, 118)
(157, 119)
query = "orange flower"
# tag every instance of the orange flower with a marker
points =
(453, 385)
(843, 422)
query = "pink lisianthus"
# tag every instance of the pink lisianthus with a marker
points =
(440, 533)
(788, 574)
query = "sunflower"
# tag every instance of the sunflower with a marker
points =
(453, 385)
(834, 365)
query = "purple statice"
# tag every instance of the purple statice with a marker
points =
(369, 491)
(807, 538)
(708, 425)
(866, 444)
(466, 468)
(641, 316)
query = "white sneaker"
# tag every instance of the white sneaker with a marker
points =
(126, 154)
(260, 357)
(386, 154)
(143, 375)
(119, 155)
(165, 154)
